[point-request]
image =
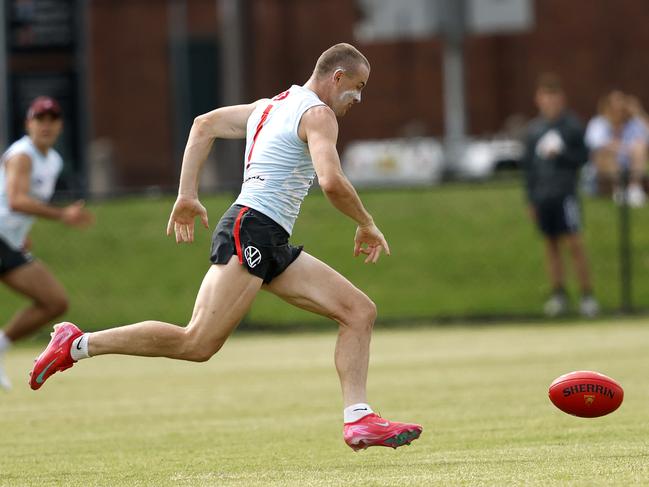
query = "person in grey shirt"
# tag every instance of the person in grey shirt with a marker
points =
(554, 154)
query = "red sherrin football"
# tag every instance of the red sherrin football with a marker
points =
(586, 394)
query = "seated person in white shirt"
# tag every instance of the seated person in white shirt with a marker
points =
(618, 141)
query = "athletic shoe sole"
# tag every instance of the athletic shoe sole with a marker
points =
(394, 441)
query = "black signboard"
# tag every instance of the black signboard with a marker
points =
(41, 24)
(41, 45)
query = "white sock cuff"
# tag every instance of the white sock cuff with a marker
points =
(5, 343)
(356, 411)
(79, 348)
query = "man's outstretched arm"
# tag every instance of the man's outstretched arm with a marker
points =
(320, 128)
(223, 123)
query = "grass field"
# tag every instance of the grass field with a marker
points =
(458, 250)
(266, 411)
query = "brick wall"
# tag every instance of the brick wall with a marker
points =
(593, 45)
(130, 89)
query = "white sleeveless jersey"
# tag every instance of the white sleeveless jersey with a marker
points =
(278, 169)
(14, 226)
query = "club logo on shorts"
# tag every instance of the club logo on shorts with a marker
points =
(252, 255)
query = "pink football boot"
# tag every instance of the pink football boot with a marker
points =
(56, 357)
(373, 430)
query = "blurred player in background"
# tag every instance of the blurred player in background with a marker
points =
(28, 173)
(554, 154)
(290, 139)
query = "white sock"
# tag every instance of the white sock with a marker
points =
(5, 343)
(79, 348)
(356, 411)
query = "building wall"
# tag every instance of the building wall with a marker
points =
(130, 88)
(131, 94)
(594, 45)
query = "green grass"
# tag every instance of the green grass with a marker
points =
(266, 412)
(458, 250)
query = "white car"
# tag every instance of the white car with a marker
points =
(407, 161)
(480, 159)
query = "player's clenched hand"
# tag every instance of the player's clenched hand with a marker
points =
(76, 215)
(182, 217)
(370, 241)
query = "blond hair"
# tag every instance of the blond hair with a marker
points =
(343, 55)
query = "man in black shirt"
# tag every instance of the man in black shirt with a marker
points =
(554, 154)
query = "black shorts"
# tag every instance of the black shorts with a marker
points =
(559, 217)
(259, 242)
(11, 259)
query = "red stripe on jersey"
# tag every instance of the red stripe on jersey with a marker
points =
(260, 125)
(282, 95)
(237, 238)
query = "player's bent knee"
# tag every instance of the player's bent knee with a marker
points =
(199, 349)
(369, 312)
(361, 314)
(200, 355)
(57, 306)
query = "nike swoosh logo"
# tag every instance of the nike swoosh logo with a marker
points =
(79, 345)
(387, 423)
(361, 409)
(39, 379)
